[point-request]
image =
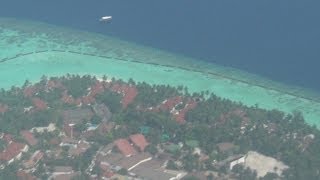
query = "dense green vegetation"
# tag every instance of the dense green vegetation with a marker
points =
(77, 85)
(214, 120)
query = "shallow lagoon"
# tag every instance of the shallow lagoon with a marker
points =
(30, 50)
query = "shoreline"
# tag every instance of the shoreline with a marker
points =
(56, 64)
(163, 65)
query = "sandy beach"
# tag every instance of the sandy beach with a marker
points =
(54, 51)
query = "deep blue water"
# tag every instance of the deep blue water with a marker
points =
(279, 39)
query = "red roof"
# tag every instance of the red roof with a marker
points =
(97, 88)
(170, 103)
(139, 141)
(3, 108)
(128, 92)
(29, 91)
(125, 147)
(12, 150)
(66, 98)
(87, 99)
(21, 175)
(7, 137)
(28, 136)
(180, 118)
(39, 104)
(106, 172)
(34, 159)
(51, 84)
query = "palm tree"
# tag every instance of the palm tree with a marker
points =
(104, 78)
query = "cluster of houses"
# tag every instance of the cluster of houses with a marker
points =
(126, 153)
(124, 158)
(129, 153)
(13, 150)
(177, 106)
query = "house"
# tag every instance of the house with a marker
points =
(125, 147)
(129, 93)
(225, 147)
(34, 159)
(21, 175)
(50, 128)
(13, 152)
(64, 173)
(170, 103)
(29, 91)
(139, 141)
(76, 116)
(3, 108)
(102, 111)
(39, 104)
(28, 136)
(80, 148)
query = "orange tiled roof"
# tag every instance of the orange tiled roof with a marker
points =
(29, 91)
(12, 150)
(3, 108)
(139, 141)
(170, 103)
(39, 104)
(21, 175)
(124, 147)
(28, 136)
(128, 92)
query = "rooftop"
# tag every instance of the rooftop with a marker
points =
(12, 150)
(139, 141)
(3, 108)
(125, 147)
(225, 146)
(28, 136)
(76, 116)
(39, 104)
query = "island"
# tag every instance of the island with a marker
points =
(84, 127)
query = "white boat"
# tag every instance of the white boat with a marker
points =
(106, 18)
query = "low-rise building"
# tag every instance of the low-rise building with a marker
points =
(139, 141)
(79, 149)
(13, 152)
(28, 136)
(34, 159)
(50, 128)
(125, 147)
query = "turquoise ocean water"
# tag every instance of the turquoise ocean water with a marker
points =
(31, 49)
